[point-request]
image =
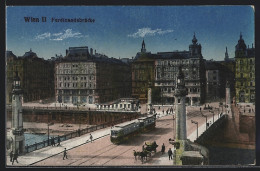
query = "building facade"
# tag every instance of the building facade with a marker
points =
(142, 74)
(36, 74)
(166, 70)
(245, 72)
(87, 78)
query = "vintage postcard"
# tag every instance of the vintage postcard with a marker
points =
(128, 86)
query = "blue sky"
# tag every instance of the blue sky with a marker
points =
(118, 31)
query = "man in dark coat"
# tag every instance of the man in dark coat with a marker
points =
(65, 154)
(11, 156)
(170, 153)
(163, 148)
(15, 156)
(58, 141)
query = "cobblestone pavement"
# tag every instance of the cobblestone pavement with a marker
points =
(103, 153)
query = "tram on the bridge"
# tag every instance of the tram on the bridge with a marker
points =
(122, 132)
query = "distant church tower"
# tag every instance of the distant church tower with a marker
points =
(143, 47)
(17, 131)
(180, 93)
(226, 55)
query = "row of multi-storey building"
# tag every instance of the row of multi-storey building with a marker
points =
(84, 76)
(36, 74)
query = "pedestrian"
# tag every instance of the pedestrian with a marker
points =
(200, 108)
(15, 157)
(11, 156)
(58, 141)
(163, 148)
(65, 154)
(170, 153)
(79, 132)
(143, 148)
(90, 137)
(163, 111)
(53, 141)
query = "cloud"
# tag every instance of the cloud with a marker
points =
(148, 32)
(43, 36)
(60, 36)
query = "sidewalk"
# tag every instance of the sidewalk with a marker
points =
(44, 153)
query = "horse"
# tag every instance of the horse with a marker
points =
(136, 154)
(143, 156)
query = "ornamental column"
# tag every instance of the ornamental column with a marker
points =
(180, 93)
(17, 131)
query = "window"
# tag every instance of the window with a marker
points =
(251, 83)
(241, 75)
(179, 100)
(241, 83)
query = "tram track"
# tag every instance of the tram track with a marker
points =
(115, 146)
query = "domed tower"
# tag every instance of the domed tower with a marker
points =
(17, 131)
(240, 47)
(195, 48)
(180, 111)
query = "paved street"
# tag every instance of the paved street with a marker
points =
(103, 153)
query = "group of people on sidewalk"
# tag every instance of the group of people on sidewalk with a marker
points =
(13, 157)
(170, 154)
(53, 141)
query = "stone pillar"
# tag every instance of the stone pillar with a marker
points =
(191, 101)
(228, 98)
(149, 100)
(180, 93)
(17, 131)
(180, 113)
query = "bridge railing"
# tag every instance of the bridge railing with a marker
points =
(213, 127)
(77, 133)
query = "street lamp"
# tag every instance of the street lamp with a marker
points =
(213, 114)
(205, 116)
(192, 121)
(49, 124)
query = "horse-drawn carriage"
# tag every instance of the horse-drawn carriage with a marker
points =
(146, 151)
